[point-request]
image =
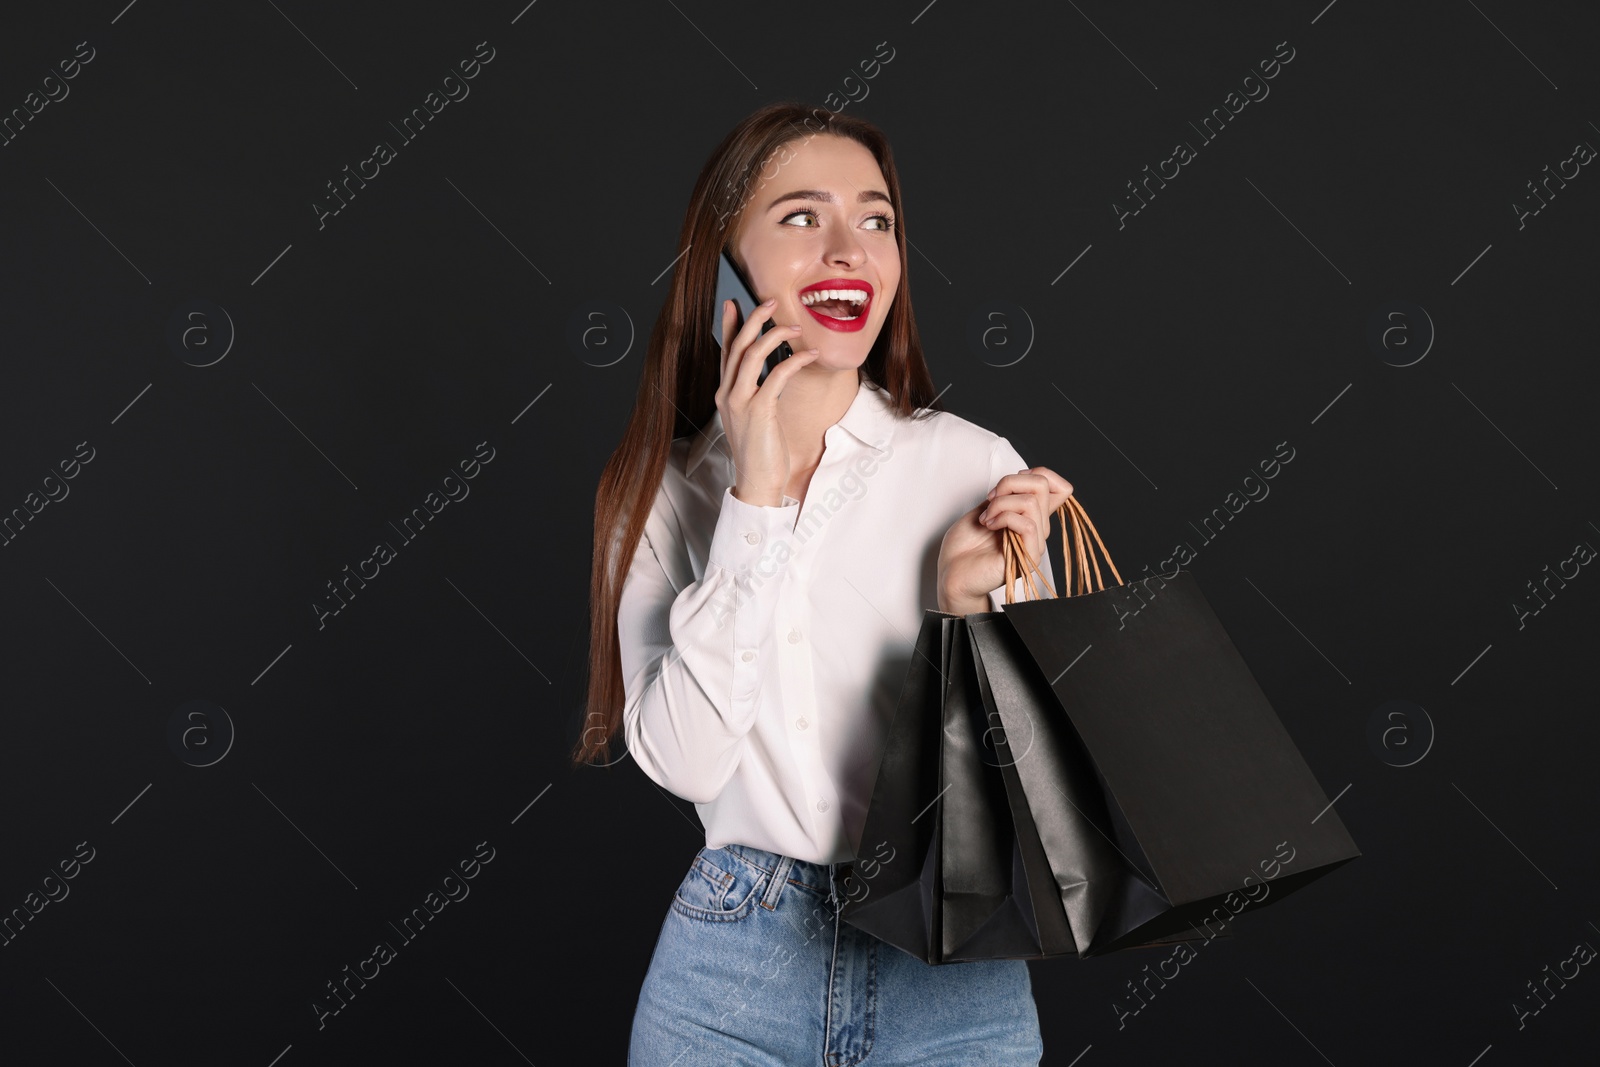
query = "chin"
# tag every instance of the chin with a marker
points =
(840, 356)
(839, 351)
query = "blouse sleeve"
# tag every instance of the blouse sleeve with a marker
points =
(1004, 460)
(692, 658)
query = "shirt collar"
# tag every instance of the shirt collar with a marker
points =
(869, 419)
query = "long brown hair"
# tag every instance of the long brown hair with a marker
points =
(677, 389)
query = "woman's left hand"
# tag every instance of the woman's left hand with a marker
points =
(971, 556)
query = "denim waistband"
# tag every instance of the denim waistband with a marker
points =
(823, 877)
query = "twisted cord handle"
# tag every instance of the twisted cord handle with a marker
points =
(1075, 545)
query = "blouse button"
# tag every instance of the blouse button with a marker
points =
(794, 637)
(748, 655)
(822, 805)
(800, 724)
(752, 537)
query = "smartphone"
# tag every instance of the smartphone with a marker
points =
(731, 286)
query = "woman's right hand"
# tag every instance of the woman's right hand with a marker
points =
(750, 412)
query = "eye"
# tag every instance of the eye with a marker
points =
(887, 220)
(795, 214)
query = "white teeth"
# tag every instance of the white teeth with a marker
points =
(859, 296)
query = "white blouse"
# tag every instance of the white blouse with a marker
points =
(763, 650)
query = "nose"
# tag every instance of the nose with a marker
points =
(845, 249)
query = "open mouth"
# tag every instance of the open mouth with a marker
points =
(838, 303)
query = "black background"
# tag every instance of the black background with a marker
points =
(371, 353)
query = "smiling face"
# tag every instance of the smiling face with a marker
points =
(819, 236)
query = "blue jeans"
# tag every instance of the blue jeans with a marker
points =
(753, 967)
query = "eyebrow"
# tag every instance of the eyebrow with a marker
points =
(866, 196)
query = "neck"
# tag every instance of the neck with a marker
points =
(813, 400)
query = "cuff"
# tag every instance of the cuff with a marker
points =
(753, 537)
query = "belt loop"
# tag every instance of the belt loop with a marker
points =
(780, 875)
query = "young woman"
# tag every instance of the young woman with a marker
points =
(763, 558)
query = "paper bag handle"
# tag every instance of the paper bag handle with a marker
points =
(1078, 546)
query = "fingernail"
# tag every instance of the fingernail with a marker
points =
(985, 516)
(768, 303)
(990, 496)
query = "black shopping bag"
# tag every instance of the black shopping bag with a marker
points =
(951, 847)
(1082, 774)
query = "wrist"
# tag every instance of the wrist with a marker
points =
(957, 604)
(769, 498)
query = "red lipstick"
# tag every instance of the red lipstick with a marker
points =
(841, 285)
